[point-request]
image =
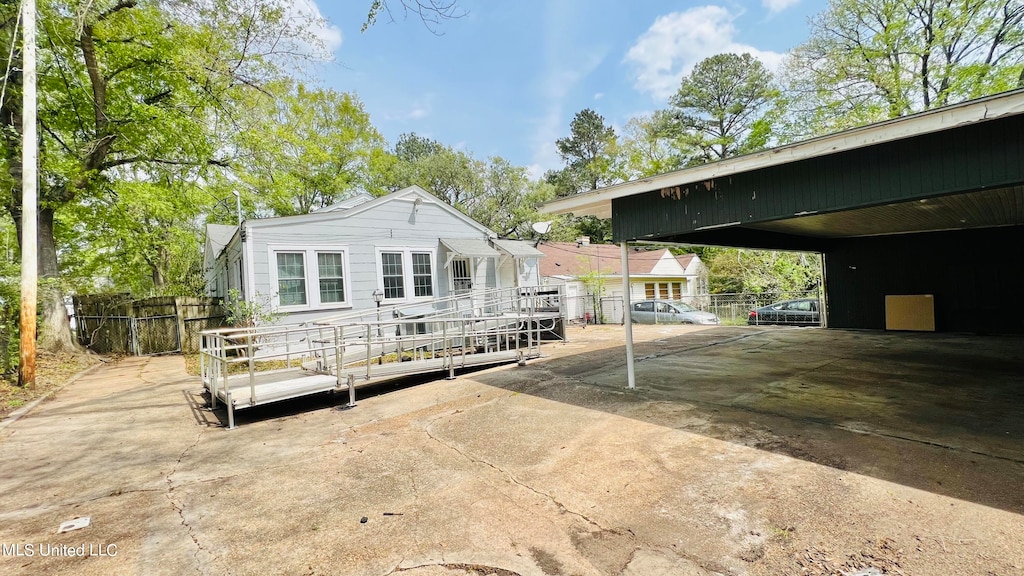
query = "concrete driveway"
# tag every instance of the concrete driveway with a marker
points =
(745, 451)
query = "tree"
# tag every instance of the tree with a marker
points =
(430, 12)
(734, 270)
(869, 60)
(509, 201)
(305, 148)
(720, 108)
(649, 147)
(588, 153)
(451, 175)
(128, 87)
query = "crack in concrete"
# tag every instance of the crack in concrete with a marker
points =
(561, 507)
(471, 568)
(179, 507)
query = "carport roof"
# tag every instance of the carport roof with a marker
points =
(599, 202)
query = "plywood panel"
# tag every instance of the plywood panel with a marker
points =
(910, 312)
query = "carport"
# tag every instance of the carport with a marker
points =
(930, 204)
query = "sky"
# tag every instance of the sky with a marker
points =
(507, 77)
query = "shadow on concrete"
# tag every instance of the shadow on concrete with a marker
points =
(938, 412)
(296, 406)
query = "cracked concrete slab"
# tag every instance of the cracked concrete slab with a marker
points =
(824, 461)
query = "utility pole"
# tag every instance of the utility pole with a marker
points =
(29, 180)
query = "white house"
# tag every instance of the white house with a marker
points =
(408, 244)
(586, 269)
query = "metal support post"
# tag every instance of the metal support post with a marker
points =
(351, 390)
(627, 321)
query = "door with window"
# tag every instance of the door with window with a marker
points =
(462, 277)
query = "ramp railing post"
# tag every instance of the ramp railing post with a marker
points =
(369, 356)
(252, 371)
(351, 390)
(337, 355)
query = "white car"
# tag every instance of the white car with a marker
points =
(669, 312)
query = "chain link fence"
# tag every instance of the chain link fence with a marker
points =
(731, 309)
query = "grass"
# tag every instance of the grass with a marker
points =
(52, 371)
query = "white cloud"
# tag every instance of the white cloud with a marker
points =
(676, 42)
(776, 6)
(420, 108)
(599, 95)
(326, 33)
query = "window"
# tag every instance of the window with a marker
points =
(650, 289)
(309, 277)
(422, 275)
(664, 308)
(644, 307)
(405, 273)
(394, 278)
(331, 271)
(291, 278)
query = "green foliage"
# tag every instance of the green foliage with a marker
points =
(249, 313)
(732, 270)
(651, 146)
(588, 153)
(719, 108)
(10, 300)
(508, 203)
(305, 148)
(869, 60)
(452, 175)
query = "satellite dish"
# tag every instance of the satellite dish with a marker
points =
(541, 227)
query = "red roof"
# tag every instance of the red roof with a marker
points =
(569, 259)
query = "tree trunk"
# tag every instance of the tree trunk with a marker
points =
(54, 325)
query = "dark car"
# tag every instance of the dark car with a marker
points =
(802, 312)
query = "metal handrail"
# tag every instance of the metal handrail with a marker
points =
(337, 348)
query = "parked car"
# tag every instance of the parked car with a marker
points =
(802, 312)
(669, 312)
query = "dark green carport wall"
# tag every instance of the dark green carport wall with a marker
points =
(961, 159)
(976, 276)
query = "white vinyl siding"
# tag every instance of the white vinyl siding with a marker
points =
(309, 277)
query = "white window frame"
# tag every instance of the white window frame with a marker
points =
(312, 276)
(407, 272)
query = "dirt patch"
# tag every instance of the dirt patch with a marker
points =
(882, 556)
(52, 371)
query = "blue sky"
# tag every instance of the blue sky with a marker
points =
(507, 78)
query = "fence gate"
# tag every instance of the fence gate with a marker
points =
(117, 324)
(155, 335)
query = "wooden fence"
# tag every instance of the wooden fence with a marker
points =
(117, 324)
